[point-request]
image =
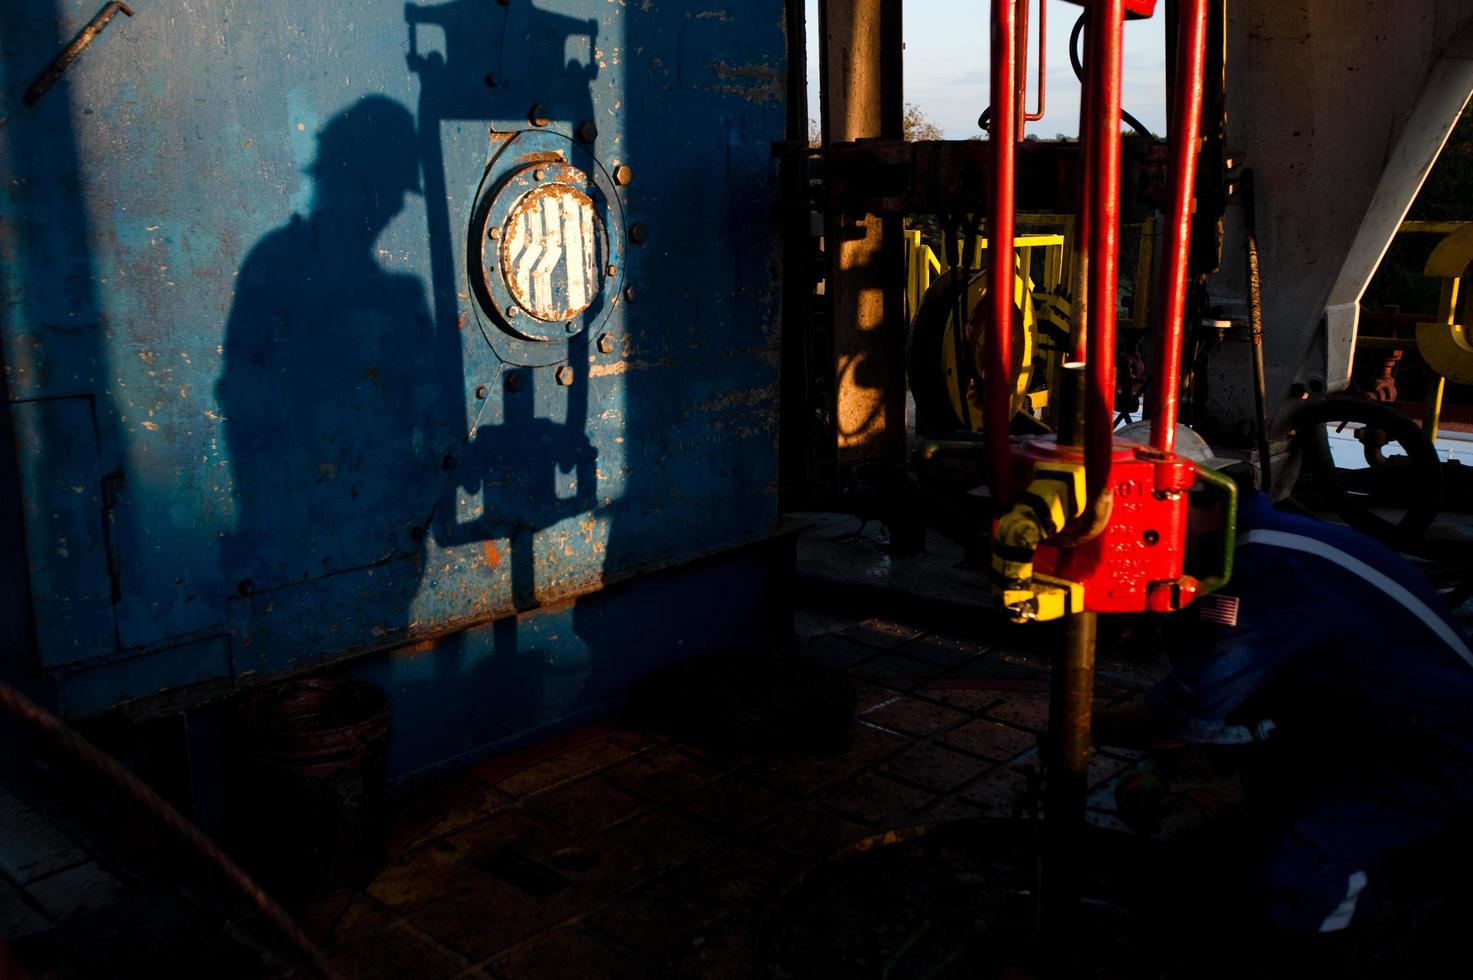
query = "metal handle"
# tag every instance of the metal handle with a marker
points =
(72, 51)
(1229, 530)
(1024, 116)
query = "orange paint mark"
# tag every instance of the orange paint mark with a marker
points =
(413, 649)
(493, 557)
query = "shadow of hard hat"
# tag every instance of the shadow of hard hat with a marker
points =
(372, 140)
(1188, 443)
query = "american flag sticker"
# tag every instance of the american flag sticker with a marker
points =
(1219, 608)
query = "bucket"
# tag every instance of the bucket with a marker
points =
(311, 798)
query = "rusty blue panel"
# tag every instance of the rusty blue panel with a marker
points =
(66, 549)
(492, 686)
(100, 686)
(261, 238)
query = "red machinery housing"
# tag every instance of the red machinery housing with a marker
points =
(1136, 563)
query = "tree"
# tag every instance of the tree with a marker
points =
(916, 125)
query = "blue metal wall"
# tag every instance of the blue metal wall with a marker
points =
(261, 415)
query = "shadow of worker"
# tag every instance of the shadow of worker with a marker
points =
(332, 417)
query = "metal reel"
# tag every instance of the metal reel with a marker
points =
(946, 352)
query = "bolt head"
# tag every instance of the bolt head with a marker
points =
(629, 294)
(587, 132)
(564, 375)
(571, 326)
(605, 343)
(537, 115)
(637, 233)
(623, 175)
(612, 270)
(490, 81)
(480, 391)
(514, 381)
(539, 174)
(511, 311)
(493, 232)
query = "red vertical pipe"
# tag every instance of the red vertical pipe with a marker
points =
(1077, 351)
(1024, 116)
(1042, 61)
(998, 341)
(1020, 77)
(1106, 35)
(1186, 123)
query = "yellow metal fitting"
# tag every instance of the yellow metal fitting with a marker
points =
(1054, 497)
(1050, 598)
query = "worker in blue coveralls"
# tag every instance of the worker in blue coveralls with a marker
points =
(1333, 657)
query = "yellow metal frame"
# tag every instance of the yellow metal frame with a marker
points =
(1446, 341)
(1140, 300)
(923, 264)
(1042, 300)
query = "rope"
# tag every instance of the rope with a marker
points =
(130, 786)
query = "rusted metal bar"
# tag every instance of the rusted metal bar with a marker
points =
(998, 344)
(1186, 124)
(1255, 320)
(72, 51)
(1105, 40)
(865, 285)
(1071, 694)
(894, 177)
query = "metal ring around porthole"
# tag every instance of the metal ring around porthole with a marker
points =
(547, 242)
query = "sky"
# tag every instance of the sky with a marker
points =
(946, 66)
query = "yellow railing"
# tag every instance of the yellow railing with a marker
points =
(922, 263)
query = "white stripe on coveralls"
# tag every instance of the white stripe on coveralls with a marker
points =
(1388, 585)
(1345, 911)
(1341, 917)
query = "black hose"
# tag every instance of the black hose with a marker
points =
(984, 121)
(136, 790)
(1255, 315)
(1078, 65)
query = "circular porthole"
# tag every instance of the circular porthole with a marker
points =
(554, 252)
(547, 241)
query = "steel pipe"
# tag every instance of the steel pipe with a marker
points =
(1186, 124)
